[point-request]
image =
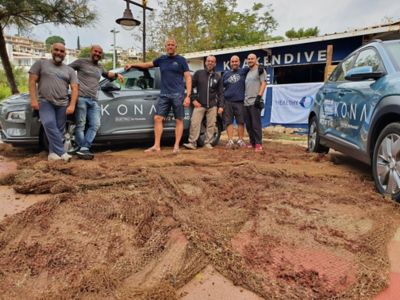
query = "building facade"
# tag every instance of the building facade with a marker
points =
(293, 64)
(24, 52)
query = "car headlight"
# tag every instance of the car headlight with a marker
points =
(16, 116)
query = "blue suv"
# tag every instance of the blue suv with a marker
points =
(357, 112)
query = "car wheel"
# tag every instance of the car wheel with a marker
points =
(217, 134)
(386, 161)
(313, 138)
(69, 137)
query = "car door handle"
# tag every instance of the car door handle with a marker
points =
(343, 92)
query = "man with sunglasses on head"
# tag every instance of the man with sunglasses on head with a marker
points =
(51, 79)
(88, 110)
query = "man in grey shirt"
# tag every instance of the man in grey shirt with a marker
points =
(255, 84)
(53, 79)
(88, 110)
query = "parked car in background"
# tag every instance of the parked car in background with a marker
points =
(127, 112)
(357, 112)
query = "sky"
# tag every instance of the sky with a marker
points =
(329, 15)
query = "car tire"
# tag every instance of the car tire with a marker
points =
(313, 139)
(69, 137)
(386, 161)
(217, 134)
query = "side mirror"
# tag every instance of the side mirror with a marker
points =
(362, 73)
(110, 87)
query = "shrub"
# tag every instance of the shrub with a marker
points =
(21, 78)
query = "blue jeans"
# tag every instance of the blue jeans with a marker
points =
(53, 119)
(87, 112)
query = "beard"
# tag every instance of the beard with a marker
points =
(58, 59)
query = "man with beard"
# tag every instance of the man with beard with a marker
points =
(53, 79)
(256, 82)
(88, 110)
(208, 100)
(174, 69)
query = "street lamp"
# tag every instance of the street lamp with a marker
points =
(114, 32)
(128, 22)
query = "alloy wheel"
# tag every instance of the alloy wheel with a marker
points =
(388, 164)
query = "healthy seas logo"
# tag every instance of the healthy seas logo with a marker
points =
(306, 102)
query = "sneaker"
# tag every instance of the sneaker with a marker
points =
(175, 150)
(208, 146)
(190, 146)
(53, 157)
(66, 157)
(85, 154)
(73, 151)
(258, 148)
(230, 144)
(250, 146)
(241, 143)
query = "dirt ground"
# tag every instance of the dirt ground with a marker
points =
(281, 224)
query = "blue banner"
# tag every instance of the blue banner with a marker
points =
(309, 53)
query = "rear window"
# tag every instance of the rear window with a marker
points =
(393, 49)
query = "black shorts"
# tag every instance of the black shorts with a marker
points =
(166, 101)
(233, 110)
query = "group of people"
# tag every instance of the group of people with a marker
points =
(49, 80)
(237, 95)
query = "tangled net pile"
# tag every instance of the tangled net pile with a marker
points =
(284, 224)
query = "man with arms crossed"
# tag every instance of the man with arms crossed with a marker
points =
(53, 79)
(208, 100)
(256, 82)
(233, 81)
(174, 69)
(88, 110)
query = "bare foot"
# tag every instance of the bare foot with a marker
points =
(152, 149)
(176, 150)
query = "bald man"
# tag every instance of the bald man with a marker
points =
(88, 110)
(51, 79)
(234, 85)
(256, 82)
(174, 69)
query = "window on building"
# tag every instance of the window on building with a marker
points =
(299, 74)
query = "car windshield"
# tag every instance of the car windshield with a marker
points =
(393, 48)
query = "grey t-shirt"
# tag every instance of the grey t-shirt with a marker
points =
(253, 82)
(54, 81)
(89, 75)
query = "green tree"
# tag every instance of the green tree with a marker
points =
(52, 40)
(205, 25)
(84, 52)
(26, 13)
(229, 28)
(187, 27)
(300, 33)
